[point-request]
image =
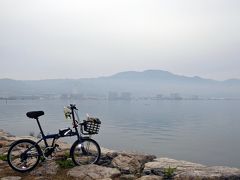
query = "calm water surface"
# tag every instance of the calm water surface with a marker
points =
(200, 131)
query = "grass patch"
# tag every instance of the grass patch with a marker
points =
(3, 157)
(169, 172)
(66, 155)
(65, 164)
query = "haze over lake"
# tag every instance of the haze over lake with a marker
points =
(201, 131)
(163, 76)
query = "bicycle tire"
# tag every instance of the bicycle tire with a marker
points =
(11, 152)
(88, 149)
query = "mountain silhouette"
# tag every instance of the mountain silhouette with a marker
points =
(149, 82)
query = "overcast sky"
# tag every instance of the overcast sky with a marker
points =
(73, 39)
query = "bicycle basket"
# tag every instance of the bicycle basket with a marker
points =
(91, 126)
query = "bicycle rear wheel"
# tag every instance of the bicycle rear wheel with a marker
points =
(23, 155)
(85, 152)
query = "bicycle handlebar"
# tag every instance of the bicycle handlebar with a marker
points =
(73, 106)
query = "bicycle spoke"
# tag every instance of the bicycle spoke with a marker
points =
(23, 156)
(86, 153)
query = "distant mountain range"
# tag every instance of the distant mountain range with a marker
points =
(146, 83)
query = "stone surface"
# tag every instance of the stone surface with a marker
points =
(127, 177)
(144, 158)
(105, 161)
(167, 162)
(11, 178)
(15, 138)
(46, 168)
(4, 143)
(4, 134)
(108, 156)
(121, 165)
(105, 151)
(63, 155)
(152, 177)
(216, 172)
(39, 178)
(4, 165)
(92, 172)
(188, 170)
(63, 145)
(127, 164)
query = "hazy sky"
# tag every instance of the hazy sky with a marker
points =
(89, 38)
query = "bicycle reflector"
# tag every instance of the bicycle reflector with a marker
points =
(67, 113)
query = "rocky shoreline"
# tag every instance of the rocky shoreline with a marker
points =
(113, 165)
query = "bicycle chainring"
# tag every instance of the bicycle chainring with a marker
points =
(49, 153)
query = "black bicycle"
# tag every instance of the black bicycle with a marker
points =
(25, 154)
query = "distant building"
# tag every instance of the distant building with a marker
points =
(175, 96)
(126, 96)
(76, 96)
(194, 97)
(113, 96)
(159, 96)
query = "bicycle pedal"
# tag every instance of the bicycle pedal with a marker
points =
(57, 147)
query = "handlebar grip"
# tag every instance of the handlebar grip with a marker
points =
(73, 106)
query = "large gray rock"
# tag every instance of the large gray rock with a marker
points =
(63, 145)
(216, 172)
(4, 143)
(113, 153)
(166, 162)
(109, 152)
(11, 178)
(127, 164)
(4, 135)
(3, 164)
(152, 177)
(188, 170)
(92, 171)
(143, 158)
(127, 177)
(108, 155)
(11, 139)
(46, 168)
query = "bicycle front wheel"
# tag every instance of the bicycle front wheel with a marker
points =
(85, 152)
(23, 155)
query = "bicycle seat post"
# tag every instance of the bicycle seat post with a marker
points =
(43, 136)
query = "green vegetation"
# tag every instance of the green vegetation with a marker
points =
(3, 157)
(66, 163)
(67, 155)
(169, 172)
(42, 159)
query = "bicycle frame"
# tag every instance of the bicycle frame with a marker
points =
(32, 149)
(57, 136)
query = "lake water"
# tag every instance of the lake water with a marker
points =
(199, 131)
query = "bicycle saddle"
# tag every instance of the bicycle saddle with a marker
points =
(34, 114)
